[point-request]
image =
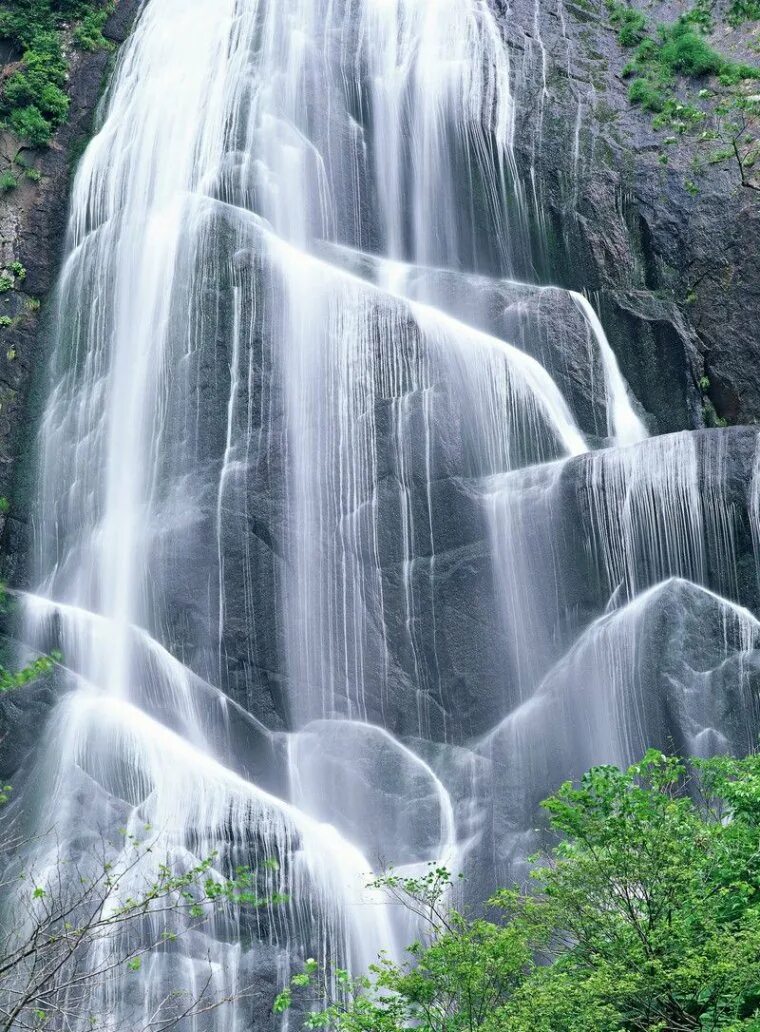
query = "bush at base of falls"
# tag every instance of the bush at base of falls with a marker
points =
(646, 917)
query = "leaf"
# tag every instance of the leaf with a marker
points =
(282, 1001)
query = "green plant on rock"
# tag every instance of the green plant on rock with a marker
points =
(678, 116)
(646, 94)
(665, 64)
(630, 22)
(8, 182)
(701, 15)
(30, 125)
(10, 680)
(33, 100)
(688, 53)
(740, 11)
(88, 35)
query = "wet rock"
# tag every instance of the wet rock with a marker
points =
(32, 231)
(606, 216)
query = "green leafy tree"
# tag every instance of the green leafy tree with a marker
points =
(453, 983)
(645, 918)
(654, 896)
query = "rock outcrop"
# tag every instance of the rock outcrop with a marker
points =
(33, 220)
(673, 266)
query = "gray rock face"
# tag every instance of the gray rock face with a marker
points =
(675, 275)
(33, 221)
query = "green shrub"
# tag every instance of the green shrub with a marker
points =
(88, 35)
(632, 23)
(33, 102)
(644, 916)
(678, 116)
(633, 28)
(39, 83)
(29, 124)
(7, 182)
(646, 94)
(687, 52)
(743, 10)
(647, 50)
(735, 73)
(23, 90)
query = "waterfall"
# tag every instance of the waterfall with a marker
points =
(354, 546)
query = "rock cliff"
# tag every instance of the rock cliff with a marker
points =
(673, 271)
(673, 264)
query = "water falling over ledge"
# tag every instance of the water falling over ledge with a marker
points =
(354, 546)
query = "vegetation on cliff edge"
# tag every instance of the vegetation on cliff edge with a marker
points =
(33, 89)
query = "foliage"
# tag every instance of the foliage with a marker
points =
(472, 968)
(80, 926)
(36, 668)
(681, 49)
(743, 10)
(13, 274)
(645, 93)
(656, 898)
(33, 102)
(647, 915)
(687, 52)
(670, 60)
(31, 672)
(631, 23)
(88, 35)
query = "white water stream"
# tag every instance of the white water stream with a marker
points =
(290, 467)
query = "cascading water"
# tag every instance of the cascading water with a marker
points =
(353, 545)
